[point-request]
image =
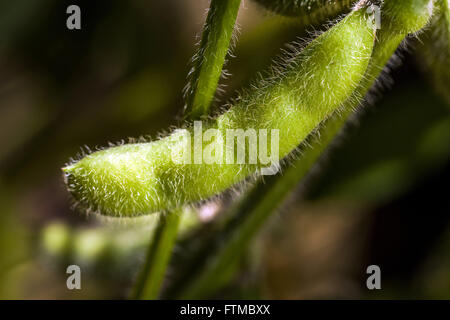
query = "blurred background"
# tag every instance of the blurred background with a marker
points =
(380, 196)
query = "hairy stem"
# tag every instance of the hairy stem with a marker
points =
(209, 61)
(152, 275)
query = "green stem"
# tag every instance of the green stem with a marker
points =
(205, 75)
(209, 60)
(158, 256)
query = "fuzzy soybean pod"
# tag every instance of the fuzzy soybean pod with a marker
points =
(142, 178)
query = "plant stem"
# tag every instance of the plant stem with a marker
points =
(209, 60)
(205, 75)
(158, 255)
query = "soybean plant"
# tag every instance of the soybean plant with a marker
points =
(308, 97)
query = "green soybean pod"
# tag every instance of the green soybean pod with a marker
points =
(142, 178)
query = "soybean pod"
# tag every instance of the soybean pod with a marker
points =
(142, 178)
